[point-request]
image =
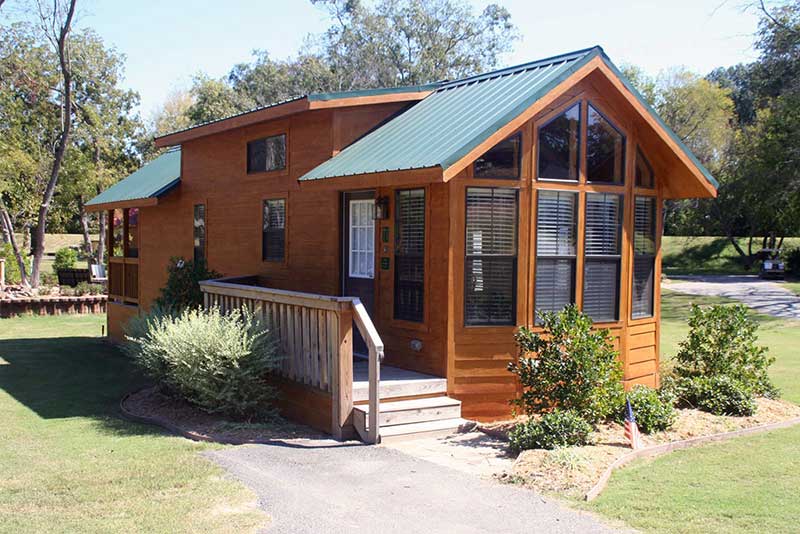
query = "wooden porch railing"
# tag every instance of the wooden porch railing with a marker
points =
(315, 333)
(123, 279)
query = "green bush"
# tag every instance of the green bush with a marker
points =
(65, 259)
(218, 362)
(720, 395)
(48, 279)
(793, 261)
(569, 366)
(12, 267)
(722, 342)
(183, 289)
(654, 408)
(559, 428)
(85, 288)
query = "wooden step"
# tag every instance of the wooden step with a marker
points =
(415, 411)
(426, 429)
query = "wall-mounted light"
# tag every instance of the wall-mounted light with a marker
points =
(381, 208)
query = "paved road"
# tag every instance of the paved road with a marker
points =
(764, 296)
(364, 489)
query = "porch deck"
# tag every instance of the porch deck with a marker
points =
(395, 382)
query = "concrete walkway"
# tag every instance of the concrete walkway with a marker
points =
(328, 488)
(764, 296)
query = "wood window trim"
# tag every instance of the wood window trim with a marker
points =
(616, 257)
(276, 196)
(656, 315)
(269, 173)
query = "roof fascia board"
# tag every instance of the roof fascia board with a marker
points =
(370, 99)
(402, 177)
(122, 204)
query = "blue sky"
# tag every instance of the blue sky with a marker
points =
(168, 41)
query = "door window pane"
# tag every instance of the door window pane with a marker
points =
(559, 146)
(362, 238)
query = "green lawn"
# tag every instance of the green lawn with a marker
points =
(68, 463)
(744, 485)
(708, 255)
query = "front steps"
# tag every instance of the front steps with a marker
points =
(412, 418)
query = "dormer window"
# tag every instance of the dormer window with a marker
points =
(501, 161)
(267, 154)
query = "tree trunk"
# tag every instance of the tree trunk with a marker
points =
(8, 233)
(66, 110)
(101, 242)
(87, 238)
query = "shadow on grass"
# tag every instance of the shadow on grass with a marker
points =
(703, 258)
(71, 377)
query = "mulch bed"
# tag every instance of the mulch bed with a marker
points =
(574, 471)
(151, 405)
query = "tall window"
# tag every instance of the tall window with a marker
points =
(268, 154)
(644, 172)
(132, 233)
(273, 234)
(605, 150)
(490, 264)
(559, 142)
(602, 255)
(409, 255)
(501, 161)
(644, 256)
(117, 245)
(199, 231)
(556, 249)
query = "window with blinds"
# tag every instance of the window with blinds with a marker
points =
(490, 262)
(409, 255)
(559, 142)
(556, 249)
(602, 256)
(273, 235)
(199, 232)
(644, 256)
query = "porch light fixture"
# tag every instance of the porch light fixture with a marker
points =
(381, 208)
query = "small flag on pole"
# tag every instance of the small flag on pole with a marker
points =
(631, 429)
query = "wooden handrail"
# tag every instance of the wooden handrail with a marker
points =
(375, 345)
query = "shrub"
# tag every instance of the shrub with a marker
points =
(654, 408)
(720, 395)
(85, 288)
(219, 362)
(65, 259)
(569, 366)
(183, 289)
(793, 261)
(722, 342)
(12, 267)
(559, 428)
(48, 279)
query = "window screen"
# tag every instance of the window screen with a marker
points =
(602, 256)
(556, 247)
(644, 256)
(559, 146)
(273, 234)
(490, 263)
(409, 255)
(644, 172)
(268, 154)
(199, 232)
(501, 161)
(605, 150)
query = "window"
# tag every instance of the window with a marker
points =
(409, 255)
(273, 234)
(362, 238)
(117, 233)
(268, 154)
(490, 265)
(132, 241)
(199, 231)
(605, 150)
(501, 161)
(644, 256)
(602, 256)
(644, 172)
(559, 146)
(556, 249)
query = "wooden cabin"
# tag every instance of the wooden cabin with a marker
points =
(417, 227)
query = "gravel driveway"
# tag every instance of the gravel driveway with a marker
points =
(329, 489)
(764, 296)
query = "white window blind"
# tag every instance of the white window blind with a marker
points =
(602, 255)
(556, 248)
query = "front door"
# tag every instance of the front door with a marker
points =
(358, 253)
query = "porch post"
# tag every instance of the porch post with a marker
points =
(342, 375)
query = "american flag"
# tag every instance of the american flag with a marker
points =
(631, 429)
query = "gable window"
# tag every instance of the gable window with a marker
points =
(644, 256)
(362, 238)
(273, 234)
(556, 248)
(602, 256)
(409, 255)
(644, 171)
(199, 232)
(502, 161)
(268, 154)
(559, 146)
(490, 264)
(605, 150)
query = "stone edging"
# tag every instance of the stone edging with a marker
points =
(657, 450)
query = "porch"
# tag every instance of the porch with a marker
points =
(323, 382)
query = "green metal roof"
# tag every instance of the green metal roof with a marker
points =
(151, 181)
(460, 115)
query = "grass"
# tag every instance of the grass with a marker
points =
(69, 463)
(708, 255)
(744, 485)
